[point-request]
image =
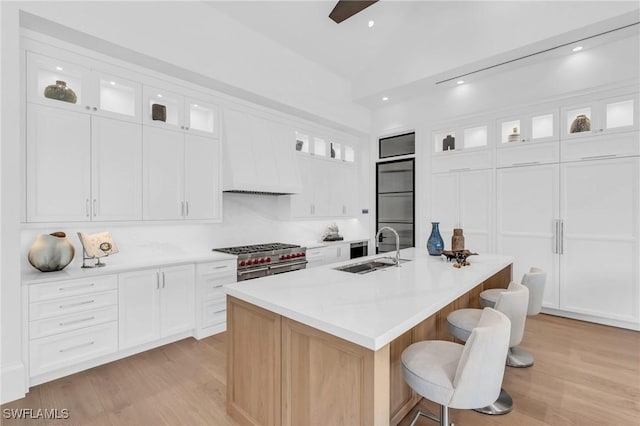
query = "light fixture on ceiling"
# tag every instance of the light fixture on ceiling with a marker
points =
(577, 48)
(113, 83)
(385, 98)
(371, 24)
(159, 95)
(59, 68)
(460, 82)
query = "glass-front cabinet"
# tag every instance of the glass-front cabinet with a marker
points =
(331, 147)
(602, 128)
(166, 109)
(462, 147)
(528, 138)
(62, 84)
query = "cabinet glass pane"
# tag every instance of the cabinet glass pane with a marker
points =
(542, 126)
(349, 154)
(319, 147)
(620, 114)
(393, 146)
(60, 75)
(475, 137)
(302, 142)
(510, 131)
(334, 149)
(576, 123)
(201, 118)
(445, 141)
(117, 97)
(171, 106)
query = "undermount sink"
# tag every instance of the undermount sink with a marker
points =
(370, 265)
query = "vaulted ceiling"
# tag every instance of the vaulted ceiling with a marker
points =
(421, 42)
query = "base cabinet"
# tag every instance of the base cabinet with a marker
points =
(155, 303)
(211, 299)
(326, 255)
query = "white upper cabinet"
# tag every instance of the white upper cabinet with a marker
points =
(600, 129)
(169, 110)
(202, 178)
(462, 147)
(63, 84)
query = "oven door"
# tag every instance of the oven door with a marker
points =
(287, 267)
(248, 274)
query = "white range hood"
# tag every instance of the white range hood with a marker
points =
(258, 155)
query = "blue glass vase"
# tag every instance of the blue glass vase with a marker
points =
(435, 244)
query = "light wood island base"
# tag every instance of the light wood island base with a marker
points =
(280, 371)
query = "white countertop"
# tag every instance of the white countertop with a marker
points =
(316, 244)
(116, 264)
(372, 309)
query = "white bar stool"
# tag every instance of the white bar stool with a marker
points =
(458, 376)
(535, 281)
(513, 303)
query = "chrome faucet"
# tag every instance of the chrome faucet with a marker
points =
(397, 260)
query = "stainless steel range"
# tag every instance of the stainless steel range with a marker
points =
(261, 260)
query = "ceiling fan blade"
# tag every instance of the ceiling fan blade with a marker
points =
(345, 9)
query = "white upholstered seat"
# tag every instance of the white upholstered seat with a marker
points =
(458, 376)
(535, 281)
(513, 302)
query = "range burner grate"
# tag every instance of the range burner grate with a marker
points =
(256, 248)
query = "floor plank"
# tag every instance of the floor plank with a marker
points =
(584, 374)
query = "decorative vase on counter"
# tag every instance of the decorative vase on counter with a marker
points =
(435, 243)
(582, 123)
(51, 252)
(457, 240)
(60, 92)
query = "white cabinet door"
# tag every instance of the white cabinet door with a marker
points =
(527, 206)
(139, 307)
(202, 177)
(322, 188)
(238, 145)
(599, 269)
(287, 166)
(302, 203)
(201, 118)
(116, 157)
(262, 139)
(163, 174)
(476, 210)
(445, 204)
(177, 313)
(58, 165)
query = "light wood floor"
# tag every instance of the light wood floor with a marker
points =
(585, 374)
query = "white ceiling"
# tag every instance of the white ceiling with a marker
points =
(423, 41)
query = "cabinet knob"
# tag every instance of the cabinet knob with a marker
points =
(87, 107)
(95, 108)
(186, 128)
(182, 127)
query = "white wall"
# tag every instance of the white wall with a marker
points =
(613, 63)
(200, 39)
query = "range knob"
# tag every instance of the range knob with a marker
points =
(303, 254)
(268, 260)
(262, 260)
(243, 263)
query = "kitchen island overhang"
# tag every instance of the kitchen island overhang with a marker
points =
(323, 346)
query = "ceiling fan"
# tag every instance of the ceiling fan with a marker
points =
(345, 9)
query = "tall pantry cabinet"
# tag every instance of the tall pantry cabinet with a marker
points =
(570, 204)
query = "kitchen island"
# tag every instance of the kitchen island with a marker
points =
(322, 346)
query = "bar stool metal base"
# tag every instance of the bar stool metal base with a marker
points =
(502, 405)
(443, 420)
(519, 358)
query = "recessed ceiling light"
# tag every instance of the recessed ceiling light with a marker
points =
(460, 82)
(385, 98)
(113, 83)
(195, 105)
(159, 95)
(59, 68)
(371, 24)
(577, 48)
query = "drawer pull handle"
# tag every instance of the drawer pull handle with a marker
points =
(218, 285)
(219, 312)
(221, 267)
(70, 305)
(526, 163)
(77, 321)
(77, 346)
(76, 287)
(460, 170)
(599, 156)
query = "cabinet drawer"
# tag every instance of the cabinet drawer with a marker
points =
(69, 305)
(212, 287)
(601, 146)
(227, 267)
(59, 289)
(62, 350)
(50, 326)
(214, 312)
(460, 161)
(528, 154)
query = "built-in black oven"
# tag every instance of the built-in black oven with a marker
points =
(359, 249)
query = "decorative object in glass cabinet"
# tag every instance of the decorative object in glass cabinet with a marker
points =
(579, 120)
(435, 243)
(508, 129)
(515, 136)
(60, 92)
(439, 141)
(158, 112)
(302, 142)
(173, 107)
(449, 143)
